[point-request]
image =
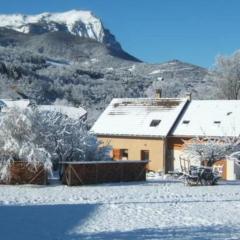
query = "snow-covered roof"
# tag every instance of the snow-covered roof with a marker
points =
(210, 118)
(21, 103)
(139, 117)
(72, 112)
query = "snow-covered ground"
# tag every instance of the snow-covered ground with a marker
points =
(151, 210)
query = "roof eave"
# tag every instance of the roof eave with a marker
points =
(129, 135)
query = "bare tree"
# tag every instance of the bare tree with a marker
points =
(210, 150)
(226, 74)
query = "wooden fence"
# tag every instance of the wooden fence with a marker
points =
(83, 173)
(23, 173)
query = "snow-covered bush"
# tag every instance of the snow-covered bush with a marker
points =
(42, 137)
(210, 150)
(19, 142)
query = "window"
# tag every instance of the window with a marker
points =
(145, 155)
(186, 122)
(155, 122)
(120, 154)
(124, 154)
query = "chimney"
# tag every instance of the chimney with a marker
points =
(158, 93)
(189, 96)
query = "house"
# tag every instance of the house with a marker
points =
(71, 112)
(137, 128)
(21, 103)
(154, 129)
(211, 118)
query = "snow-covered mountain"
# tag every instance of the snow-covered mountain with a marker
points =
(71, 57)
(78, 23)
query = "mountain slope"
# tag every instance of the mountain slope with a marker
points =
(54, 61)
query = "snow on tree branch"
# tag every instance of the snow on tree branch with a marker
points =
(18, 141)
(68, 139)
(210, 149)
(43, 137)
(226, 75)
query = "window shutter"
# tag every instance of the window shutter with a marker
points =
(116, 154)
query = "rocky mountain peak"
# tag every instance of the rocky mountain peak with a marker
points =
(76, 22)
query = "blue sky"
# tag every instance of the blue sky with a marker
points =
(157, 30)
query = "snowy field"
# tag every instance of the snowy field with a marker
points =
(151, 210)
